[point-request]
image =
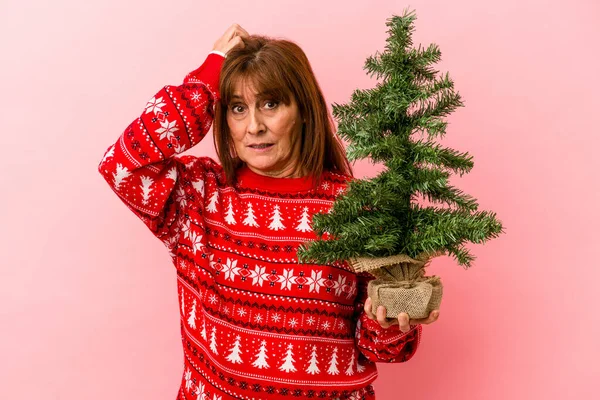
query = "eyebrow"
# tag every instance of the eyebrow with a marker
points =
(259, 96)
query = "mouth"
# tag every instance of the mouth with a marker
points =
(260, 146)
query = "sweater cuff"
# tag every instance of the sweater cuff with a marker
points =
(219, 53)
(391, 332)
(208, 73)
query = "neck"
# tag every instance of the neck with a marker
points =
(289, 172)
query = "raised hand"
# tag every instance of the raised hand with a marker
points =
(231, 38)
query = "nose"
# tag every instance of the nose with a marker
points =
(255, 122)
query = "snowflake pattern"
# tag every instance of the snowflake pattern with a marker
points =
(167, 129)
(258, 275)
(196, 96)
(287, 279)
(155, 105)
(230, 269)
(315, 282)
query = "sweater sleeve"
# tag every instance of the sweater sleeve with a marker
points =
(379, 344)
(141, 167)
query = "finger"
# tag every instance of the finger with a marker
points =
(381, 317)
(235, 42)
(367, 307)
(242, 32)
(237, 31)
(230, 32)
(433, 316)
(404, 322)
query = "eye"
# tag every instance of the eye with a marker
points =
(270, 105)
(237, 109)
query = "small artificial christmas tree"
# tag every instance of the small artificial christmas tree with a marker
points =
(378, 224)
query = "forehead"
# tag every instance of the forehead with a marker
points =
(245, 89)
(255, 88)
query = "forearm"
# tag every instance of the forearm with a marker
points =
(389, 345)
(140, 166)
(380, 344)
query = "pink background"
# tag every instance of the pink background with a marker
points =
(89, 304)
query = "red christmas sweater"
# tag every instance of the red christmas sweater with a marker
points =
(255, 324)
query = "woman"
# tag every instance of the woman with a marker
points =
(255, 323)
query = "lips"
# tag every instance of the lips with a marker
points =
(260, 145)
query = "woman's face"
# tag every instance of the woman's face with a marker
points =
(262, 131)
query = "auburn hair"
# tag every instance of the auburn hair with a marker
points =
(280, 69)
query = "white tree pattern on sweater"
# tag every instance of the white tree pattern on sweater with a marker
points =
(120, 174)
(198, 185)
(235, 351)
(229, 215)
(333, 370)
(212, 202)
(192, 317)
(203, 331)
(213, 340)
(250, 219)
(276, 220)
(304, 223)
(146, 188)
(350, 369)
(261, 356)
(313, 365)
(288, 361)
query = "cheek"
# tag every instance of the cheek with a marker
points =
(235, 137)
(235, 130)
(285, 129)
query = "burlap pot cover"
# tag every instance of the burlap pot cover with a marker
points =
(400, 284)
(416, 299)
